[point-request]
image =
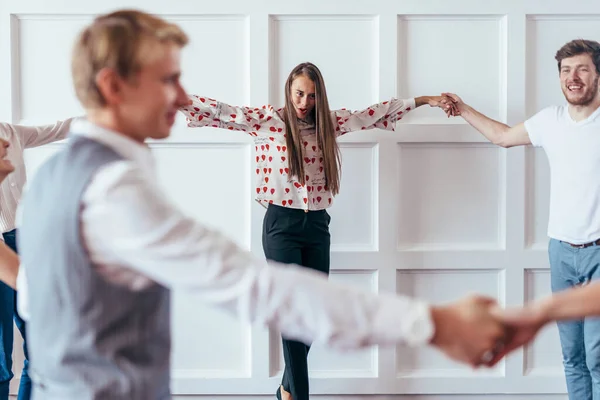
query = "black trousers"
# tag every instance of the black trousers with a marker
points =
(293, 236)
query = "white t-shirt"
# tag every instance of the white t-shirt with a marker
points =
(573, 150)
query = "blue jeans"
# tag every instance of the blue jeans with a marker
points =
(8, 311)
(579, 339)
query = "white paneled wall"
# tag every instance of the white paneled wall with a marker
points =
(431, 210)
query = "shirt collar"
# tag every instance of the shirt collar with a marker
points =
(128, 148)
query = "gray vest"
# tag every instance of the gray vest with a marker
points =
(88, 339)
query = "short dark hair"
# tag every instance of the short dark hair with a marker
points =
(577, 47)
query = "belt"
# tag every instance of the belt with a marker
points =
(584, 245)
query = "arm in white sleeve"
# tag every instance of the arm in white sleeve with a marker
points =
(33, 136)
(142, 231)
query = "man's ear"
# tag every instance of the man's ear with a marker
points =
(110, 85)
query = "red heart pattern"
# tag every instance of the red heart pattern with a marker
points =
(265, 125)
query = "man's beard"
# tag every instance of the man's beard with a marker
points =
(588, 96)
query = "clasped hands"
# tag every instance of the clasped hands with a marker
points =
(476, 331)
(450, 103)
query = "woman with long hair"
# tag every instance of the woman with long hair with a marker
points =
(298, 167)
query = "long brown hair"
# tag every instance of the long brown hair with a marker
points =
(326, 138)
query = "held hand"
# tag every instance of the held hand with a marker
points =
(458, 103)
(466, 331)
(443, 102)
(522, 326)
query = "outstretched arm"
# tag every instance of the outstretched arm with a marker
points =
(496, 132)
(33, 136)
(176, 251)
(204, 111)
(385, 115)
(523, 324)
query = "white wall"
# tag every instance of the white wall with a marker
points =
(431, 210)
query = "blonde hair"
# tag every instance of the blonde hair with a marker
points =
(123, 41)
